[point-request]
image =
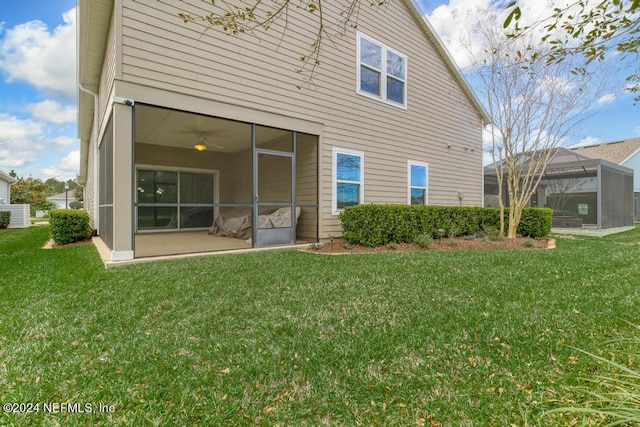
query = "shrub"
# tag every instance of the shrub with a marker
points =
(528, 243)
(423, 240)
(68, 225)
(535, 222)
(492, 233)
(372, 225)
(5, 219)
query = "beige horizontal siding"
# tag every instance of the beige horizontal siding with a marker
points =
(89, 194)
(108, 72)
(160, 51)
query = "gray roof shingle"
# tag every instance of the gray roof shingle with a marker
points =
(616, 152)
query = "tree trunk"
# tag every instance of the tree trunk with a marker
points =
(515, 213)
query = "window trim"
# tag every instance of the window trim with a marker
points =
(383, 72)
(410, 187)
(334, 177)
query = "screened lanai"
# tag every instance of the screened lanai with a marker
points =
(584, 192)
(207, 184)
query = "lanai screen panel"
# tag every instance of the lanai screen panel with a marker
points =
(616, 198)
(105, 189)
(307, 186)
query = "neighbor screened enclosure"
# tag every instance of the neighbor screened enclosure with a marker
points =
(205, 183)
(582, 191)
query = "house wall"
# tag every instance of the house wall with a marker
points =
(633, 162)
(5, 192)
(123, 215)
(166, 62)
(90, 195)
(108, 71)
(104, 94)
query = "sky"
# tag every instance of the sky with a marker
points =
(38, 94)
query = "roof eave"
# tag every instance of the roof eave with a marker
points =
(93, 17)
(11, 180)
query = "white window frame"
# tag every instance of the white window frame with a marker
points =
(383, 72)
(410, 187)
(335, 181)
(179, 170)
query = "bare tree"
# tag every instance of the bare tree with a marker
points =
(558, 191)
(534, 105)
(253, 17)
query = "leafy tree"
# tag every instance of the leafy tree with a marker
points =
(55, 185)
(32, 191)
(592, 31)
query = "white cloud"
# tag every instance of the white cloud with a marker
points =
(19, 141)
(64, 141)
(53, 112)
(457, 22)
(13, 128)
(44, 58)
(607, 99)
(67, 168)
(454, 21)
(588, 140)
(24, 142)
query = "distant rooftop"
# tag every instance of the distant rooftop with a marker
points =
(615, 152)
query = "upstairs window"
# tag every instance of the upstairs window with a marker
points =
(382, 72)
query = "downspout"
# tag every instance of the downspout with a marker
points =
(94, 138)
(482, 125)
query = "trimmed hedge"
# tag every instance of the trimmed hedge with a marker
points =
(5, 219)
(69, 225)
(535, 222)
(373, 225)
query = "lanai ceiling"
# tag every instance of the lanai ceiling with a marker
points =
(161, 126)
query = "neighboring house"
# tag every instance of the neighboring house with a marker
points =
(63, 200)
(184, 128)
(584, 192)
(625, 153)
(6, 181)
(20, 214)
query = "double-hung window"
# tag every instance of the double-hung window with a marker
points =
(348, 182)
(382, 72)
(418, 183)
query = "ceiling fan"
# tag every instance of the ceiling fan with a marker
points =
(202, 143)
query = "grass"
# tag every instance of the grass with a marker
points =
(291, 338)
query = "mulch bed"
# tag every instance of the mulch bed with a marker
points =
(444, 244)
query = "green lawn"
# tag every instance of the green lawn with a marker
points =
(290, 338)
